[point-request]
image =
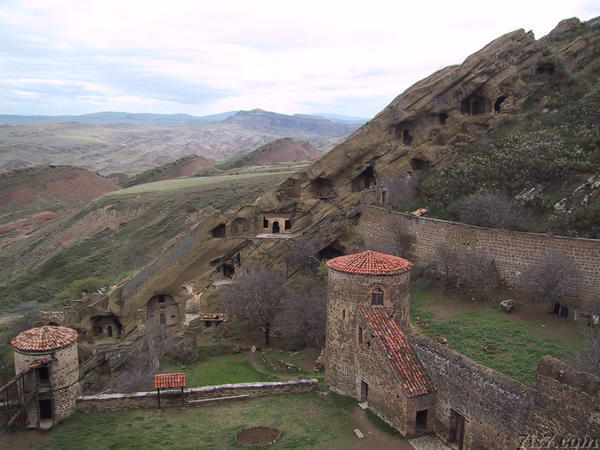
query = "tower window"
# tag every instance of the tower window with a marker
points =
(360, 335)
(377, 297)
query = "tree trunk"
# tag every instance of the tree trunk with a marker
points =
(267, 334)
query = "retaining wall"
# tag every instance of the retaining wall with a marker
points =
(137, 400)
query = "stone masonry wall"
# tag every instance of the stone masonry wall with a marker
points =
(564, 402)
(143, 400)
(512, 251)
(385, 396)
(496, 407)
(345, 292)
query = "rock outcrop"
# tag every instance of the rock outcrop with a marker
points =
(420, 129)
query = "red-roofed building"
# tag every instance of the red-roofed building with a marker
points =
(367, 354)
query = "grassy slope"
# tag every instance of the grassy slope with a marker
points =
(306, 421)
(191, 183)
(488, 336)
(169, 208)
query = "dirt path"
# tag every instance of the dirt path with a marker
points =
(374, 437)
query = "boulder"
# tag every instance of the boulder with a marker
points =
(507, 305)
(182, 347)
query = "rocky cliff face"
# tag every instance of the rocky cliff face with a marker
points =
(420, 129)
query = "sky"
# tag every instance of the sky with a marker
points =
(204, 57)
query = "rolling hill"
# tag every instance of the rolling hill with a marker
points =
(278, 151)
(183, 167)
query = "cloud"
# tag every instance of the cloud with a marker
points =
(207, 57)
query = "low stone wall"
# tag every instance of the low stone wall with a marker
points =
(512, 251)
(140, 400)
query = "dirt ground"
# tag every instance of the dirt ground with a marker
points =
(374, 437)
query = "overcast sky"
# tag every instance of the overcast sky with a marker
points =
(200, 57)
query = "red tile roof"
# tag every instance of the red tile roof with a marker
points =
(43, 339)
(214, 316)
(393, 342)
(169, 380)
(370, 263)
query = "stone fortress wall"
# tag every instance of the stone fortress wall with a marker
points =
(512, 251)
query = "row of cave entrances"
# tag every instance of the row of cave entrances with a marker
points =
(472, 105)
(241, 226)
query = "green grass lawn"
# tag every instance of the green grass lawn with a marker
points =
(306, 421)
(222, 369)
(486, 335)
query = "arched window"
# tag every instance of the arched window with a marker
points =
(377, 297)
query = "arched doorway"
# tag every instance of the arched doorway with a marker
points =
(162, 309)
(275, 226)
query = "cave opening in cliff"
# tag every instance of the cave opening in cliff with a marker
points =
(288, 224)
(406, 137)
(546, 68)
(265, 222)
(219, 231)
(227, 270)
(239, 225)
(442, 118)
(106, 326)
(322, 188)
(498, 103)
(365, 180)
(333, 250)
(473, 105)
(419, 164)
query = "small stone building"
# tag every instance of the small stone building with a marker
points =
(367, 353)
(46, 360)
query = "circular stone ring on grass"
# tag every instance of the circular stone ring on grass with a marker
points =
(258, 436)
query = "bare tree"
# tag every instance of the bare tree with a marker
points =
(305, 315)
(476, 272)
(303, 254)
(399, 192)
(551, 278)
(261, 299)
(494, 210)
(471, 270)
(443, 264)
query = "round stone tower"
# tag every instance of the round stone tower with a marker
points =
(48, 356)
(367, 278)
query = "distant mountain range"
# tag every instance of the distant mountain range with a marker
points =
(131, 143)
(153, 120)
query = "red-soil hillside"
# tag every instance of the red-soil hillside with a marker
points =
(278, 151)
(183, 167)
(34, 196)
